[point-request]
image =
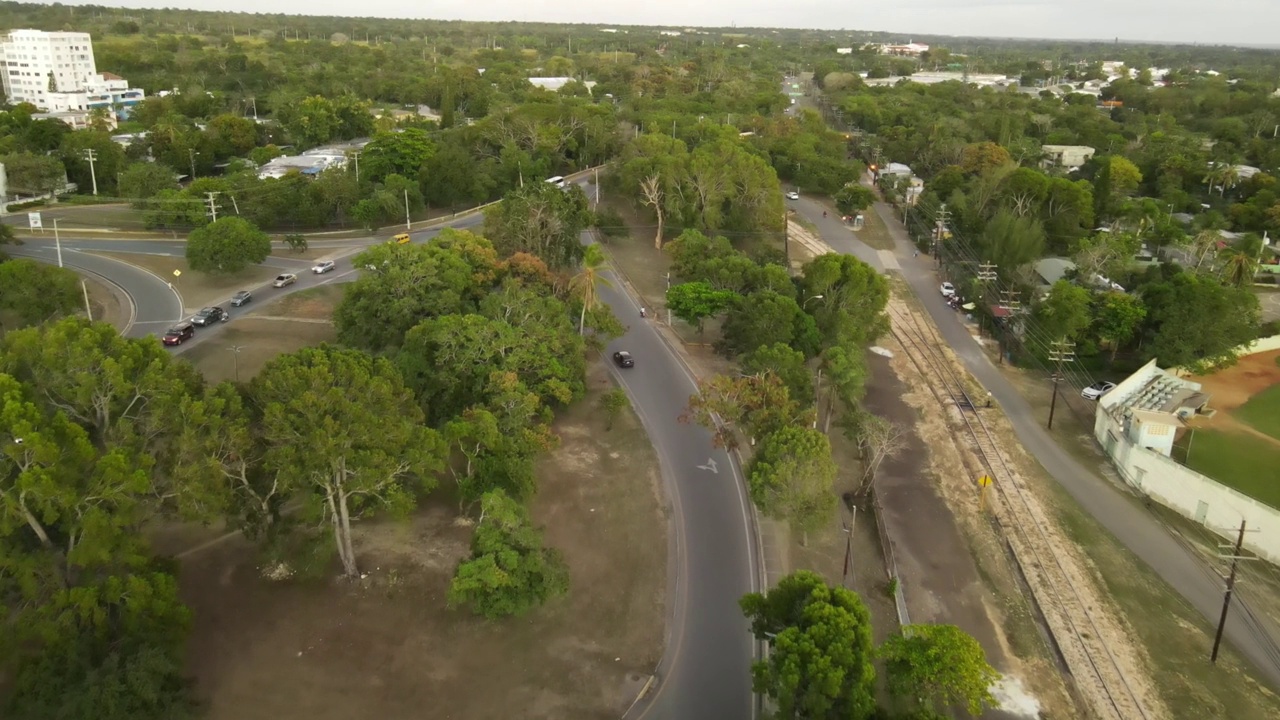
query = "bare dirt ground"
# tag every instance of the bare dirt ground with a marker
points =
(387, 647)
(1232, 387)
(109, 305)
(315, 303)
(197, 289)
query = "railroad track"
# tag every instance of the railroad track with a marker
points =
(1099, 676)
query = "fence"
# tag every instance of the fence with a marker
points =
(1187, 492)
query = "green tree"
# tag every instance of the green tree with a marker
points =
(510, 572)
(404, 285)
(296, 242)
(314, 122)
(766, 318)
(854, 198)
(227, 246)
(1118, 317)
(34, 174)
(540, 219)
(757, 405)
(587, 282)
(792, 478)
(614, 402)
(1197, 322)
(340, 427)
(109, 160)
(939, 666)
(7, 237)
(785, 362)
(820, 653)
(1065, 313)
(32, 293)
(1011, 242)
(174, 209)
(143, 180)
(852, 306)
(401, 153)
(694, 302)
(450, 178)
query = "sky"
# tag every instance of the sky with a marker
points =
(1225, 22)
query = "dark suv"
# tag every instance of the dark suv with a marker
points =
(623, 359)
(178, 334)
(209, 315)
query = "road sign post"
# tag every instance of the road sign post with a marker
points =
(984, 482)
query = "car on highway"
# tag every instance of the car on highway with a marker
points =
(622, 358)
(1097, 390)
(400, 239)
(241, 298)
(947, 290)
(793, 195)
(209, 316)
(284, 279)
(323, 267)
(178, 334)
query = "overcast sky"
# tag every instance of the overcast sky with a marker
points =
(1250, 22)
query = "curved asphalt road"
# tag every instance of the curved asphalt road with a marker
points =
(704, 673)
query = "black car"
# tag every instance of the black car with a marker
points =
(623, 359)
(241, 298)
(177, 334)
(209, 315)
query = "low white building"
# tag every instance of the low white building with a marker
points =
(555, 83)
(1066, 156)
(911, 49)
(77, 119)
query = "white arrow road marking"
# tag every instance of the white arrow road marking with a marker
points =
(711, 465)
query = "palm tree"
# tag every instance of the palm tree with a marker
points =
(1241, 261)
(588, 281)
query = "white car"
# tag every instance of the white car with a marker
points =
(793, 195)
(323, 267)
(1096, 390)
(948, 290)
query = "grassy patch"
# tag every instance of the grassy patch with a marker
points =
(258, 341)
(1177, 637)
(197, 289)
(1262, 411)
(315, 303)
(873, 232)
(1238, 460)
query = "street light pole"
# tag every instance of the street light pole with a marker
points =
(57, 241)
(235, 353)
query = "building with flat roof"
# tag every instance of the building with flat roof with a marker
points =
(56, 72)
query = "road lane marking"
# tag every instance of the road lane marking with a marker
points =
(711, 465)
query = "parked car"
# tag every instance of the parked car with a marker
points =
(284, 279)
(793, 195)
(209, 316)
(948, 290)
(1096, 390)
(178, 334)
(323, 267)
(400, 239)
(623, 358)
(241, 298)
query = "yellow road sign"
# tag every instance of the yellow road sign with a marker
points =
(985, 480)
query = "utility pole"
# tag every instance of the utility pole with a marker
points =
(254, 103)
(940, 226)
(848, 548)
(235, 353)
(57, 241)
(192, 154)
(211, 198)
(355, 156)
(786, 242)
(408, 222)
(1226, 598)
(1009, 301)
(88, 311)
(91, 155)
(596, 175)
(665, 302)
(987, 271)
(1063, 352)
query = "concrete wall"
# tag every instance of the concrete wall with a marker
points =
(1189, 493)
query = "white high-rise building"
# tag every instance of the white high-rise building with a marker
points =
(55, 71)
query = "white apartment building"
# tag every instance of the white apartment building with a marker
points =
(56, 72)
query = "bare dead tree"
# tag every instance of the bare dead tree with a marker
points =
(652, 195)
(879, 439)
